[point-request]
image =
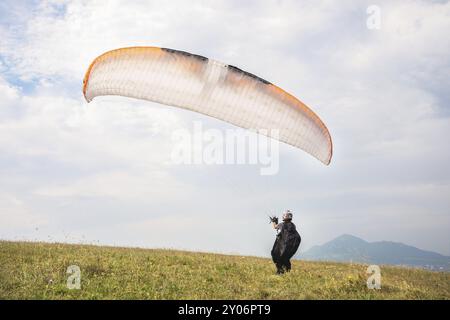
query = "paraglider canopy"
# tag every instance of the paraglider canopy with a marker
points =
(203, 85)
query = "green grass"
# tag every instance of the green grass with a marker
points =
(38, 271)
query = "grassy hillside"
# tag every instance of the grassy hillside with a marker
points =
(38, 271)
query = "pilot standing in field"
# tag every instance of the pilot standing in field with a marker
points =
(286, 243)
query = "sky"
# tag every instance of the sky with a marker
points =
(99, 172)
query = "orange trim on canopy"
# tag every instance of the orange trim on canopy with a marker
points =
(112, 52)
(296, 102)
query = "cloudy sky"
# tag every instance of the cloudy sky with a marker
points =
(98, 173)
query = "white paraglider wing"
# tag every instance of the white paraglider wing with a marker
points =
(196, 83)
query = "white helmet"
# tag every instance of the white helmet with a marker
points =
(287, 215)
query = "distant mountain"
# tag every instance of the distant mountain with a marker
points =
(348, 248)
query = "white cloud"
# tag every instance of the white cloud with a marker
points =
(15, 214)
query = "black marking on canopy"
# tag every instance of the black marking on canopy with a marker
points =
(251, 75)
(187, 54)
